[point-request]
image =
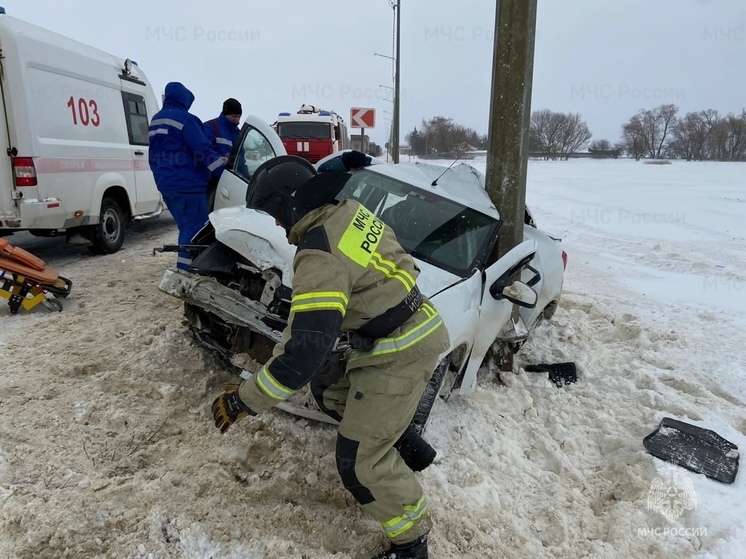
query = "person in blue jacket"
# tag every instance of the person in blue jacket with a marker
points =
(182, 160)
(223, 133)
(223, 130)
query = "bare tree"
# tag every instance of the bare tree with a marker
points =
(692, 133)
(665, 121)
(648, 131)
(708, 119)
(634, 139)
(600, 145)
(684, 136)
(728, 138)
(574, 134)
(706, 135)
(718, 142)
(737, 136)
(603, 148)
(545, 132)
(557, 135)
(442, 137)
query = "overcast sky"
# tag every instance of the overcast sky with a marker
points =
(604, 59)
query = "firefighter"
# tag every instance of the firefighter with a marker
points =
(351, 279)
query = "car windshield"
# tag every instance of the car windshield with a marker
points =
(434, 229)
(307, 130)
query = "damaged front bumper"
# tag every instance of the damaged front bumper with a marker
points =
(209, 294)
(232, 307)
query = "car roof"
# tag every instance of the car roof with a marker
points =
(338, 154)
(461, 183)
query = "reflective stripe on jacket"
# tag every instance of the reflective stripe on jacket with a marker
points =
(222, 134)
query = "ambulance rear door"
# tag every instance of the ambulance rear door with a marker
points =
(139, 107)
(8, 193)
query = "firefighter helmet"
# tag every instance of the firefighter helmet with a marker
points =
(288, 187)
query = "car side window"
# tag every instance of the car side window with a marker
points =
(255, 150)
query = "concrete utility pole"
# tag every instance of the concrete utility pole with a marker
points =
(395, 139)
(510, 116)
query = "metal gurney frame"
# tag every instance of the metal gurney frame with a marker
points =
(25, 280)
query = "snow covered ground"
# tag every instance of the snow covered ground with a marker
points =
(107, 447)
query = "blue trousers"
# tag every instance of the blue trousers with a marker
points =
(190, 212)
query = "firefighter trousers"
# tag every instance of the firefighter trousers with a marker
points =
(375, 404)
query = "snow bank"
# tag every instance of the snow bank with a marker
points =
(107, 447)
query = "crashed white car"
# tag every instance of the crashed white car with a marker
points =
(238, 291)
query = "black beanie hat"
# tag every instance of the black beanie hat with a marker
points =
(231, 107)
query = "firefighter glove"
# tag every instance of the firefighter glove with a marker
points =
(228, 408)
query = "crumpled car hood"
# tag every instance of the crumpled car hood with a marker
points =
(256, 236)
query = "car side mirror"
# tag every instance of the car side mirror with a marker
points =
(518, 293)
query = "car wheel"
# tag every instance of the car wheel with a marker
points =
(427, 401)
(107, 237)
(549, 310)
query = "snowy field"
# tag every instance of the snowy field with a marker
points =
(107, 447)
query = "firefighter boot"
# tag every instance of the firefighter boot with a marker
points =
(414, 450)
(412, 550)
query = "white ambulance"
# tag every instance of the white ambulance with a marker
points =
(74, 136)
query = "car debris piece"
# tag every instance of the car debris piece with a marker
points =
(697, 449)
(561, 374)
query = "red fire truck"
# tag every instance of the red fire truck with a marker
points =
(312, 133)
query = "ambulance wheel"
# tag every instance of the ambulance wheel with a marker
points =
(107, 237)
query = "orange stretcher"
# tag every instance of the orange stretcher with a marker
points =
(26, 281)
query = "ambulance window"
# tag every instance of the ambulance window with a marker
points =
(137, 118)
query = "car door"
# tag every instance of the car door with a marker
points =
(256, 144)
(494, 314)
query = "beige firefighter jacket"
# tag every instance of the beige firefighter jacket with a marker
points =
(348, 269)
